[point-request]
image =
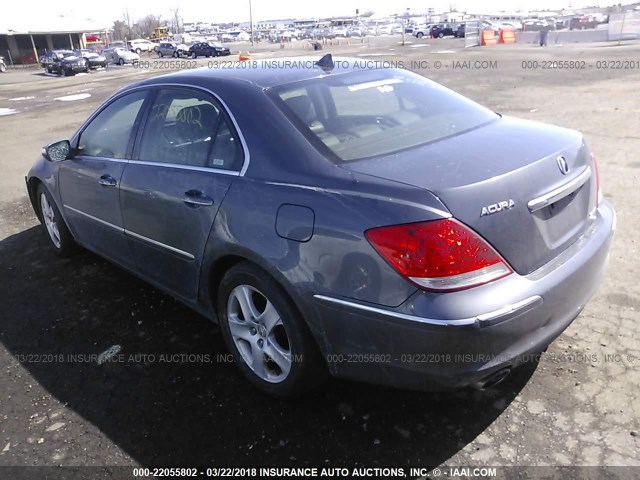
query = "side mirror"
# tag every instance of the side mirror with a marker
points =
(57, 151)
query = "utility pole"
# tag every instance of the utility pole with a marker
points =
(251, 22)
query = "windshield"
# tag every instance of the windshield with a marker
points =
(376, 112)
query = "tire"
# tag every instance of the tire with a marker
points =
(65, 72)
(160, 54)
(3, 67)
(175, 54)
(193, 55)
(138, 51)
(256, 342)
(419, 35)
(121, 62)
(59, 235)
(441, 35)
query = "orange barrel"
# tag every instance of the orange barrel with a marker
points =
(507, 36)
(488, 37)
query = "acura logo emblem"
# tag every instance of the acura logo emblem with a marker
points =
(563, 165)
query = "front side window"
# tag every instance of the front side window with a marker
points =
(109, 134)
(189, 127)
(377, 112)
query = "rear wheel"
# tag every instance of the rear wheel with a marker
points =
(121, 61)
(160, 54)
(57, 230)
(269, 340)
(138, 51)
(419, 35)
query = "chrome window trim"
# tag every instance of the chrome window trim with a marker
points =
(479, 320)
(159, 244)
(99, 220)
(107, 159)
(233, 173)
(117, 95)
(560, 192)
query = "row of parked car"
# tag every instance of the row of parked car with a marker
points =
(440, 30)
(69, 62)
(200, 49)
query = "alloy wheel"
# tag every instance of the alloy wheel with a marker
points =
(259, 334)
(48, 215)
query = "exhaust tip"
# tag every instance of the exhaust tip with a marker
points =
(493, 379)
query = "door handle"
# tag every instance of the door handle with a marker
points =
(107, 180)
(197, 198)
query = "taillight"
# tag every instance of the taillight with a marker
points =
(597, 177)
(439, 255)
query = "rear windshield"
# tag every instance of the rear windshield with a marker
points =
(376, 112)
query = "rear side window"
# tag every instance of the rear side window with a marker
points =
(190, 127)
(376, 112)
(109, 133)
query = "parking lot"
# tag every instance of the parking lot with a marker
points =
(175, 400)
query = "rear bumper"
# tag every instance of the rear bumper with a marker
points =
(439, 341)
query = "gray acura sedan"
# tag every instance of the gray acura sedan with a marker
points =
(366, 223)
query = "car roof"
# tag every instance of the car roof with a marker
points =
(264, 73)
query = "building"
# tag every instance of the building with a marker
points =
(23, 41)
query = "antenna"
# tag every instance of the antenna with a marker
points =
(326, 62)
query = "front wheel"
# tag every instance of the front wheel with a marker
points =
(3, 67)
(160, 54)
(59, 234)
(441, 35)
(271, 343)
(121, 62)
(194, 56)
(419, 35)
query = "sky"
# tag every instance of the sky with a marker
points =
(217, 11)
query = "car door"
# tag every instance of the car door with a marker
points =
(90, 182)
(186, 157)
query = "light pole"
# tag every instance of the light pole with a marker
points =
(251, 22)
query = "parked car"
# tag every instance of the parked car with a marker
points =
(120, 56)
(440, 30)
(94, 60)
(172, 49)
(581, 23)
(63, 62)
(140, 45)
(422, 30)
(536, 25)
(208, 49)
(340, 227)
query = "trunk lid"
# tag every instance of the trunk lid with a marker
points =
(505, 180)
